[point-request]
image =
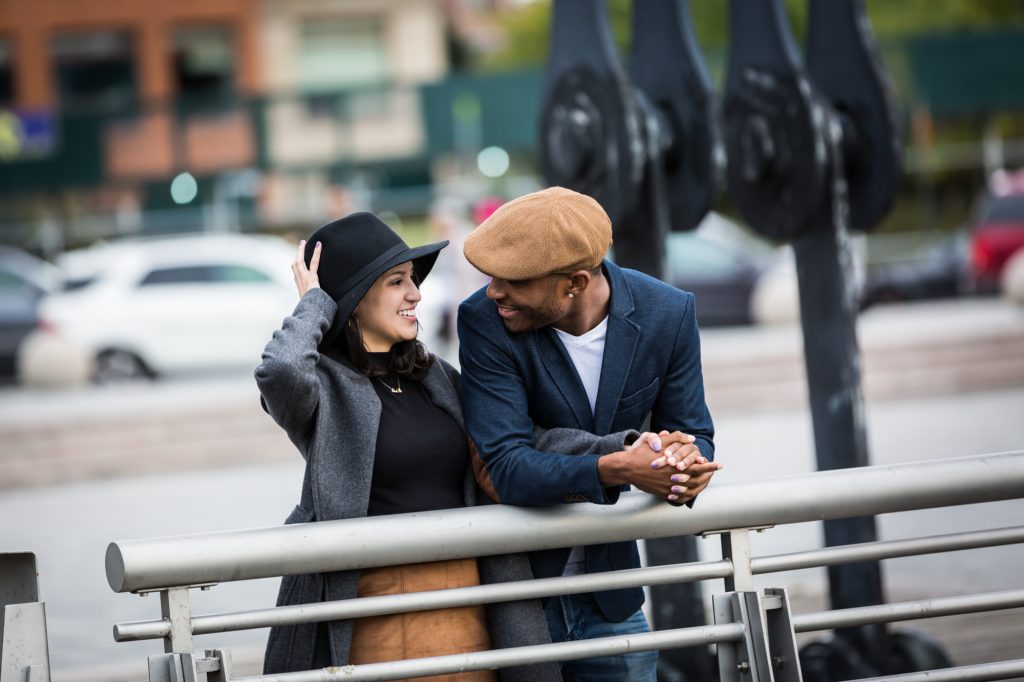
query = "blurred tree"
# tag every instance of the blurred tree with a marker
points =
(527, 27)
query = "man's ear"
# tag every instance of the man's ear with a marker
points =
(579, 281)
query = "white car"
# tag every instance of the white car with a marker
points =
(161, 306)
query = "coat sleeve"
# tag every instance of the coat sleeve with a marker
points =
(680, 405)
(577, 442)
(497, 417)
(287, 377)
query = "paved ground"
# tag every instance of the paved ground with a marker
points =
(48, 437)
(79, 469)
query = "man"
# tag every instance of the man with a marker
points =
(562, 338)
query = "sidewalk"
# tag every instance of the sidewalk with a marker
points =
(185, 430)
(908, 350)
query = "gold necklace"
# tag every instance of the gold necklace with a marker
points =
(393, 389)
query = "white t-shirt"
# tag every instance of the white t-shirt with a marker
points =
(587, 354)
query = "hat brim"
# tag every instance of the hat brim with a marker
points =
(423, 259)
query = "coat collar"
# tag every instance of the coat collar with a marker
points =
(439, 386)
(563, 375)
(619, 348)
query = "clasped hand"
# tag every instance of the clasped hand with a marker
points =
(669, 466)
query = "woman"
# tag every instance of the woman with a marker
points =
(348, 381)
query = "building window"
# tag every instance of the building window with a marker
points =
(339, 54)
(203, 61)
(6, 73)
(95, 69)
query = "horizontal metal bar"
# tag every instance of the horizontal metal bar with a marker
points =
(912, 610)
(1001, 670)
(887, 550)
(134, 565)
(433, 599)
(501, 658)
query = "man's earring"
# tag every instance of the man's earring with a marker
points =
(570, 294)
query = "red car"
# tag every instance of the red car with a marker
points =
(997, 233)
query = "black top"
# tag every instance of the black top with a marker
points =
(422, 453)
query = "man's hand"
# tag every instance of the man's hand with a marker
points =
(306, 278)
(666, 465)
(633, 466)
(697, 478)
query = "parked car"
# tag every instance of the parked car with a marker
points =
(24, 281)
(938, 270)
(160, 306)
(721, 264)
(997, 232)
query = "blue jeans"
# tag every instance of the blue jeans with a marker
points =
(575, 617)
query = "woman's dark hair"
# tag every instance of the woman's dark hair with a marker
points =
(407, 358)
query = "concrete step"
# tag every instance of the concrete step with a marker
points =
(906, 351)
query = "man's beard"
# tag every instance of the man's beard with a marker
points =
(543, 315)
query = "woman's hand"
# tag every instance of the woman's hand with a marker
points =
(306, 278)
(679, 449)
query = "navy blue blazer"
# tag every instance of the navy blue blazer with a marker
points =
(514, 382)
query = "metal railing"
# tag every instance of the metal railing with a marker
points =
(754, 630)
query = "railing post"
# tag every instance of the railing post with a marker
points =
(174, 607)
(172, 668)
(179, 663)
(223, 672)
(748, 660)
(785, 658)
(736, 548)
(187, 667)
(24, 651)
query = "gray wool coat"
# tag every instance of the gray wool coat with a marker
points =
(331, 413)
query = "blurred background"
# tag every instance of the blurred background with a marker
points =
(159, 162)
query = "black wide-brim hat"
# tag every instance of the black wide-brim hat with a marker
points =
(357, 249)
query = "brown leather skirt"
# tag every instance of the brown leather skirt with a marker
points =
(422, 633)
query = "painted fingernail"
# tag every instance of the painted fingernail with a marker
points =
(673, 498)
(318, 245)
(679, 478)
(656, 446)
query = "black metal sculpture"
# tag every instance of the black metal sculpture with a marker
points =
(793, 138)
(651, 157)
(811, 153)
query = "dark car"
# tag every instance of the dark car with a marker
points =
(938, 270)
(24, 280)
(721, 267)
(997, 233)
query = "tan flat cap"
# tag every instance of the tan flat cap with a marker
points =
(553, 230)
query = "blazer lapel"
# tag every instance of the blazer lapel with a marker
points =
(619, 348)
(563, 374)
